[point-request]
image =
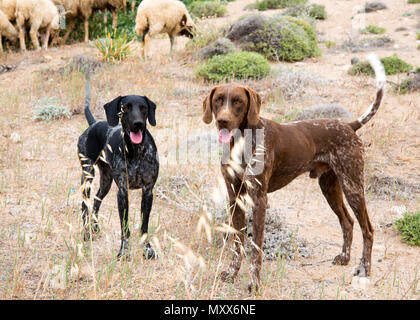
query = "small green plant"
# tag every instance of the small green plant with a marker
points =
(409, 226)
(276, 4)
(113, 47)
(330, 44)
(418, 35)
(236, 65)
(49, 109)
(392, 65)
(204, 9)
(373, 29)
(413, 1)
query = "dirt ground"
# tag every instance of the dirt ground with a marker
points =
(42, 255)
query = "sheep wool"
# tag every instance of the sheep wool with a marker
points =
(40, 14)
(162, 16)
(6, 29)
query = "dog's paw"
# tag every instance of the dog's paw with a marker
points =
(226, 277)
(90, 233)
(123, 254)
(253, 287)
(361, 271)
(149, 253)
(341, 259)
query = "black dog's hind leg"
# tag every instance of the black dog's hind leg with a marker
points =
(146, 207)
(123, 212)
(87, 178)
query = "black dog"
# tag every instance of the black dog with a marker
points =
(125, 153)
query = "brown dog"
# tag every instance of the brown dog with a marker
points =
(328, 148)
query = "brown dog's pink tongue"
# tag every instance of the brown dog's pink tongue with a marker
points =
(225, 136)
(136, 137)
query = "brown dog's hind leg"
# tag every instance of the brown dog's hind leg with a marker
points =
(332, 191)
(352, 183)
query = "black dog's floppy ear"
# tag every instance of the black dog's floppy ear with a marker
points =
(112, 109)
(152, 111)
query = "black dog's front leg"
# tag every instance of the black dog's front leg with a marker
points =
(123, 212)
(146, 207)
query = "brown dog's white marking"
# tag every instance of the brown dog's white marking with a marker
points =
(328, 149)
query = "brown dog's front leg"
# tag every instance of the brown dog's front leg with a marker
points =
(258, 224)
(238, 222)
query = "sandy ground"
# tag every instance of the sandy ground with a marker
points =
(40, 176)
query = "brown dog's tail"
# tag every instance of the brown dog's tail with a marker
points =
(379, 70)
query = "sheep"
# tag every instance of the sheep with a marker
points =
(9, 8)
(6, 29)
(76, 9)
(111, 5)
(162, 16)
(39, 14)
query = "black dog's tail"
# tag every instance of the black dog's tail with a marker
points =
(89, 117)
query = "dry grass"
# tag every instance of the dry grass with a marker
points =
(42, 255)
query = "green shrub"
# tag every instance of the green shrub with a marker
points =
(392, 65)
(314, 11)
(49, 109)
(413, 1)
(418, 35)
(236, 65)
(409, 226)
(276, 4)
(330, 44)
(283, 39)
(113, 47)
(373, 29)
(411, 84)
(204, 9)
(317, 11)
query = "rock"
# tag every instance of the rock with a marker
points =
(331, 110)
(354, 60)
(401, 29)
(279, 240)
(374, 6)
(15, 137)
(360, 283)
(218, 47)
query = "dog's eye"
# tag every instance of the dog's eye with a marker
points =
(219, 100)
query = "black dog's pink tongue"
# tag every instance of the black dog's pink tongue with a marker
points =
(136, 137)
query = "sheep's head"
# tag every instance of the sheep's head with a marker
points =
(186, 26)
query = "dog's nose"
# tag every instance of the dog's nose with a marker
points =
(222, 122)
(138, 124)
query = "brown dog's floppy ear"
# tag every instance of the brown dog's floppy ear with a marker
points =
(208, 108)
(254, 106)
(112, 109)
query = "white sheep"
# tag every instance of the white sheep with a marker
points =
(41, 14)
(76, 9)
(9, 8)
(162, 16)
(6, 29)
